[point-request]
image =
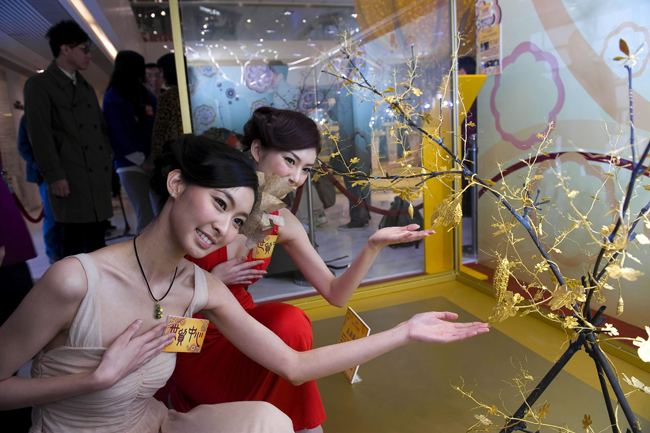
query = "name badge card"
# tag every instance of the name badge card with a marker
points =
(353, 328)
(189, 334)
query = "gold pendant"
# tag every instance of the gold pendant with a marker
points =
(158, 312)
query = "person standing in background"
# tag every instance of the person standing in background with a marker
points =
(16, 248)
(129, 109)
(154, 79)
(70, 142)
(51, 235)
(169, 121)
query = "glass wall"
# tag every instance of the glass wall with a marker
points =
(558, 70)
(247, 55)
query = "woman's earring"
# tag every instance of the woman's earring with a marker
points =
(173, 195)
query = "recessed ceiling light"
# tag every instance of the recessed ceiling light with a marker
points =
(163, 13)
(248, 20)
(261, 40)
(353, 15)
(288, 12)
(153, 15)
(304, 21)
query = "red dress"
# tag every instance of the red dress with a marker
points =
(222, 374)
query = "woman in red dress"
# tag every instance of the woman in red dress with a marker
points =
(285, 143)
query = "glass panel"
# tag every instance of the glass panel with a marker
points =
(557, 67)
(243, 56)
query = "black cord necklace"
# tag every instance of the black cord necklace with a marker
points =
(158, 311)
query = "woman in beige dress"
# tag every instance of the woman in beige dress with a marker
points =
(90, 321)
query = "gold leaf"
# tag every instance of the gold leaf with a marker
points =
(501, 279)
(354, 160)
(563, 297)
(643, 239)
(615, 271)
(570, 322)
(417, 91)
(489, 182)
(411, 210)
(586, 421)
(544, 410)
(572, 194)
(483, 419)
(623, 46)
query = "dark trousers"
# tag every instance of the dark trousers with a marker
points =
(81, 238)
(15, 282)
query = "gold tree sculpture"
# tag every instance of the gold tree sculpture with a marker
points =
(543, 286)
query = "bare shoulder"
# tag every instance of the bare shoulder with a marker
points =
(65, 279)
(218, 292)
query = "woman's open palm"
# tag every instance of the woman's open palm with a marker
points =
(435, 327)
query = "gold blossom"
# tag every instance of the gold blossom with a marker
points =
(644, 346)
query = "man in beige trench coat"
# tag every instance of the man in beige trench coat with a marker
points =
(70, 141)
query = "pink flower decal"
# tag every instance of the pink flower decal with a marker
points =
(260, 78)
(540, 56)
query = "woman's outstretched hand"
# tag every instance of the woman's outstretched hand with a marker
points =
(434, 327)
(238, 271)
(397, 235)
(128, 353)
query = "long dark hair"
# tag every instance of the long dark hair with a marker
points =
(202, 162)
(167, 65)
(281, 130)
(128, 78)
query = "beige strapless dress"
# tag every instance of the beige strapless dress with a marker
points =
(129, 405)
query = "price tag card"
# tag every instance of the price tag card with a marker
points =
(189, 334)
(353, 327)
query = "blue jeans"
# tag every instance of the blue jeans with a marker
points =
(51, 234)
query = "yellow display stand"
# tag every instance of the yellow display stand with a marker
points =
(438, 256)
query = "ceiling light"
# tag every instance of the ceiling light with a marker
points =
(353, 15)
(288, 13)
(88, 18)
(153, 15)
(248, 20)
(163, 13)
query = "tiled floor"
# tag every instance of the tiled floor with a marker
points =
(331, 243)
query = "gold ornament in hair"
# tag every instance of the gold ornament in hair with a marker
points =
(260, 222)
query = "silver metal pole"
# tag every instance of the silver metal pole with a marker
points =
(455, 137)
(310, 212)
